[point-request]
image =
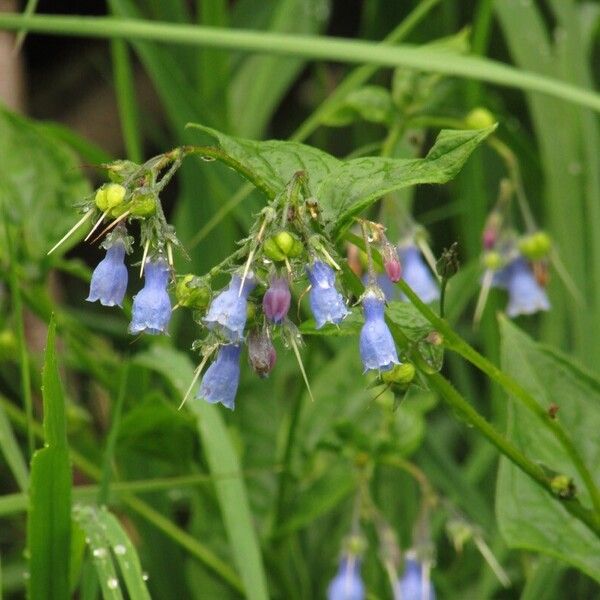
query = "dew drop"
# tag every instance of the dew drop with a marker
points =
(26, 574)
(208, 158)
(120, 549)
(99, 552)
(112, 583)
(145, 576)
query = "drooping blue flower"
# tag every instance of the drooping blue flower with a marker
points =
(227, 312)
(525, 295)
(326, 303)
(414, 583)
(220, 382)
(109, 279)
(347, 584)
(151, 310)
(377, 348)
(417, 275)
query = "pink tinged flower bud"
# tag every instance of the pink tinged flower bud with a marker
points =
(489, 237)
(276, 301)
(391, 263)
(261, 353)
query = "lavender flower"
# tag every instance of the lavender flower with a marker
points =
(525, 295)
(326, 303)
(377, 349)
(151, 305)
(347, 584)
(276, 301)
(417, 275)
(227, 312)
(414, 584)
(109, 279)
(220, 382)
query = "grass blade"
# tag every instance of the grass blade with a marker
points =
(49, 518)
(12, 452)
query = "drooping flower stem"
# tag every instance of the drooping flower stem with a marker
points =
(454, 342)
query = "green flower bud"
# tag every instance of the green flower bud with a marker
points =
(250, 310)
(479, 118)
(493, 260)
(100, 199)
(535, 246)
(192, 292)
(402, 374)
(283, 245)
(143, 205)
(115, 194)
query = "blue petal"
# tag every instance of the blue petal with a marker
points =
(347, 584)
(109, 279)
(227, 312)
(412, 586)
(418, 276)
(377, 348)
(526, 296)
(151, 310)
(326, 303)
(220, 382)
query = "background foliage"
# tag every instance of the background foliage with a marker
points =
(208, 504)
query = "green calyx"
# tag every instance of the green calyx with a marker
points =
(493, 261)
(535, 246)
(193, 292)
(401, 374)
(283, 245)
(143, 205)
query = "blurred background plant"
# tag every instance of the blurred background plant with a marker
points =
(264, 501)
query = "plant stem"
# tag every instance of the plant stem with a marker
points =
(429, 60)
(454, 342)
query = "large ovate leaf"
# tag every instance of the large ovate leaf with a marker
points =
(40, 180)
(49, 518)
(527, 516)
(345, 188)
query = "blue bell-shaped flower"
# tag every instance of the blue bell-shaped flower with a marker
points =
(151, 310)
(347, 584)
(377, 348)
(525, 295)
(227, 312)
(417, 275)
(109, 279)
(414, 583)
(220, 382)
(326, 303)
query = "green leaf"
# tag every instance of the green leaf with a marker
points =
(358, 183)
(527, 516)
(370, 103)
(49, 518)
(344, 189)
(223, 461)
(40, 180)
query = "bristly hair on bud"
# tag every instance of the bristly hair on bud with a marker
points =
(261, 352)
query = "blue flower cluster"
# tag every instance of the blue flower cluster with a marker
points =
(414, 584)
(151, 310)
